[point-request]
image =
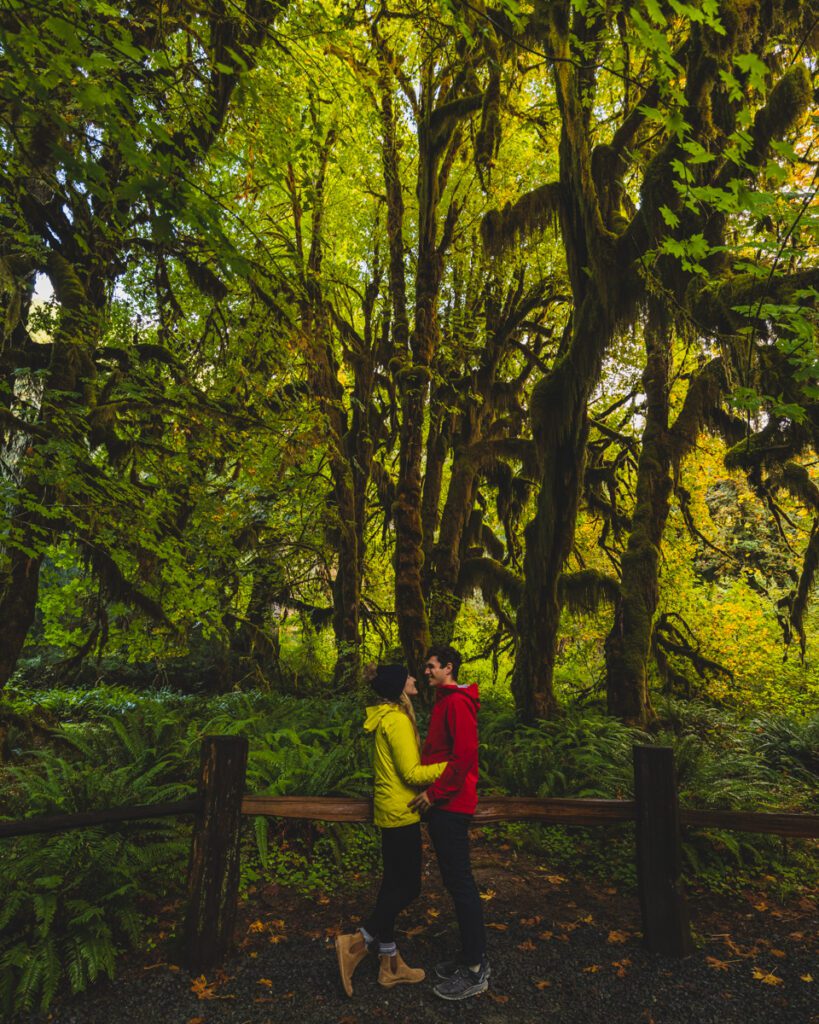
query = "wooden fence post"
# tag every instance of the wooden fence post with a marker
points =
(213, 873)
(666, 927)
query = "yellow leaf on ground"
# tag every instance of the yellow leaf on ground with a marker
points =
(497, 999)
(806, 977)
(780, 953)
(545, 936)
(617, 936)
(266, 982)
(716, 964)
(555, 879)
(527, 945)
(496, 926)
(591, 969)
(541, 983)
(202, 989)
(767, 977)
(488, 894)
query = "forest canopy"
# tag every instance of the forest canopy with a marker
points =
(334, 329)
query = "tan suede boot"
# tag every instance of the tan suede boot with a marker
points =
(350, 951)
(394, 971)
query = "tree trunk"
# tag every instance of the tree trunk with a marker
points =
(560, 428)
(628, 644)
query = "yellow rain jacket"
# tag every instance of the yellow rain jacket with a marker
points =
(397, 766)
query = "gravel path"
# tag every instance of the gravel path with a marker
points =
(562, 950)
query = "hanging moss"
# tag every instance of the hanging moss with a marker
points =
(585, 591)
(534, 211)
(491, 578)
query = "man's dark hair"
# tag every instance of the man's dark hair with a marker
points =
(446, 655)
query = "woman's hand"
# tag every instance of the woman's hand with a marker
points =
(420, 803)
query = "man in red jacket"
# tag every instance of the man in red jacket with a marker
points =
(450, 803)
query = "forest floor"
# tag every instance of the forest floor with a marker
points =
(561, 949)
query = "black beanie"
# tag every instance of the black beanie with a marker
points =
(390, 680)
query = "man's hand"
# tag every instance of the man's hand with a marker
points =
(420, 803)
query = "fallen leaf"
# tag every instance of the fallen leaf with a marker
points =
(545, 936)
(591, 969)
(196, 1020)
(275, 939)
(432, 912)
(202, 989)
(527, 945)
(621, 966)
(767, 977)
(555, 879)
(529, 922)
(716, 964)
(541, 983)
(488, 894)
(412, 932)
(256, 926)
(806, 977)
(586, 919)
(323, 899)
(780, 953)
(265, 981)
(497, 999)
(797, 936)
(497, 927)
(617, 937)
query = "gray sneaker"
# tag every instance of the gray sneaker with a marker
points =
(464, 983)
(447, 968)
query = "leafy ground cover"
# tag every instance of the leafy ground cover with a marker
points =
(562, 946)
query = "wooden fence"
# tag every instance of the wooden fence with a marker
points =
(213, 871)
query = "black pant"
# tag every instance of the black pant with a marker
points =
(401, 881)
(450, 837)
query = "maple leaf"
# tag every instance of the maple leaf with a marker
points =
(488, 894)
(779, 953)
(545, 936)
(266, 982)
(591, 969)
(202, 989)
(615, 936)
(496, 926)
(767, 977)
(541, 983)
(527, 945)
(555, 879)
(256, 926)
(806, 977)
(621, 966)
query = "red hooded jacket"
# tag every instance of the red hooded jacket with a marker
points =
(453, 737)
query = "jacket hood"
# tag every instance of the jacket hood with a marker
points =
(470, 691)
(376, 714)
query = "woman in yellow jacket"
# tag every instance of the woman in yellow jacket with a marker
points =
(398, 776)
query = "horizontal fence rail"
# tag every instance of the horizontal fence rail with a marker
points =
(84, 819)
(550, 810)
(553, 811)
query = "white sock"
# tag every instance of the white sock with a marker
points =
(387, 949)
(366, 935)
